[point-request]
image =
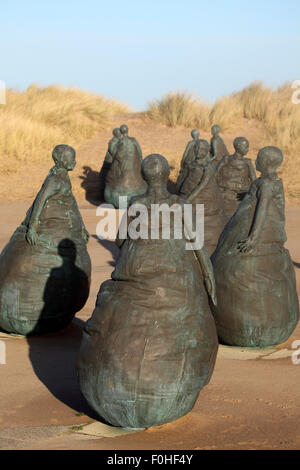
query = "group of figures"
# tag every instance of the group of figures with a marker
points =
(152, 341)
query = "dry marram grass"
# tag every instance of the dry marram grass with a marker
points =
(34, 121)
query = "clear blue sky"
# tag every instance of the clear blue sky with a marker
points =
(138, 50)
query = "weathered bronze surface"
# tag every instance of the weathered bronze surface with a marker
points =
(45, 268)
(151, 343)
(111, 151)
(218, 149)
(188, 157)
(125, 177)
(234, 175)
(200, 187)
(256, 288)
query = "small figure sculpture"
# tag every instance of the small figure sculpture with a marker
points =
(150, 345)
(188, 157)
(111, 151)
(218, 149)
(45, 268)
(200, 187)
(234, 175)
(124, 178)
(256, 287)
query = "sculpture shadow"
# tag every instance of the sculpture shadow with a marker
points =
(111, 247)
(297, 265)
(93, 184)
(54, 355)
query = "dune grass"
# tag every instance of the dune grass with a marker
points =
(34, 121)
(273, 108)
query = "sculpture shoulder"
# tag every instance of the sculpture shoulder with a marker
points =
(267, 187)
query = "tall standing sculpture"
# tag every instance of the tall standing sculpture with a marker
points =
(218, 149)
(45, 268)
(111, 151)
(187, 158)
(200, 187)
(124, 178)
(256, 287)
(234, 175)
(151, 343)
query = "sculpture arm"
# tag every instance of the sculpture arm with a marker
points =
(203, 183)
(220, 165)
(214, 146)
(51, 186)
(203, 259)
(264, 198)
(139, 150)
(252, 174)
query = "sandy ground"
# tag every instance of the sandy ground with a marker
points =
(252, 401)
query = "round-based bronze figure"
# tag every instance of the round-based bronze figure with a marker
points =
(218, 149)
(151, 343)
(110, 154)
(255, 277)
(200, 187)
(124, 178)
(234, 175)
(45, 267)
(187, 157)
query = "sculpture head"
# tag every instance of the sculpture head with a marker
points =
(64, 157)
(215, 130)
(201, 149)
(241, 145)
(268, 159)
(195, 134)
(124, 129)
(116, 132)
(155, 169)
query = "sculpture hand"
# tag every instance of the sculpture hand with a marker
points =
(85, 234)
(32, 237)
(240, 196)
(246, 246)
(211, 289)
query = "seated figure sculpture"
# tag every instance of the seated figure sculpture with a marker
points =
(45, 267)
(255, 278)
(234, 175)
(188, 157)
(151, 343)
(200, 187)
(111, 151)
(124, 178)
(218, 149)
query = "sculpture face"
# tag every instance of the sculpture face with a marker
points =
(69, 160)
(268, 158)
(195, 134)
(241, 146)
(215, 130)
(117, 133)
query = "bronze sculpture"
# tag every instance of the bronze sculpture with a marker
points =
(218, 148)
(187, 157)
(111, 151)
(150, 345)
(124, 178)
(255, 278)
(45, 267)
(234, 175)
(200, 187)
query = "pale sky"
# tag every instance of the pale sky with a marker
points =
(137, 51)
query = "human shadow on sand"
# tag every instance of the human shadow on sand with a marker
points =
(54, 355)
